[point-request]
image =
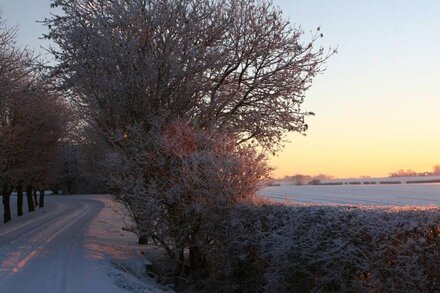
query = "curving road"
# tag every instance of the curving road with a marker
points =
(50, 251)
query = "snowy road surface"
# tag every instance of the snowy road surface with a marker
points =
(67, 247)
(380, 194)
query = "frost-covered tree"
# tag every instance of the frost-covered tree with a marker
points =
(234, 65)
(231, 74)
(186, 178)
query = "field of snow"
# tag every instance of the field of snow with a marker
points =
(407, 179)
(378, 194)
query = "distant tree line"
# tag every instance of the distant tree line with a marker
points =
(300, 179)
(409, 172)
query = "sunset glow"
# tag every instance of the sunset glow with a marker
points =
(377, 105)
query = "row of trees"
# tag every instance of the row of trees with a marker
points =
(186, 97)
(76, 167)
(409, 172)
(300, 179)
(33, 120)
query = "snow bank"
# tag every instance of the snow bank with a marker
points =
(118, 250)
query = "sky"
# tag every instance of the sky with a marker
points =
(377, 104)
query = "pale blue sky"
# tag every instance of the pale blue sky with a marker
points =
(378, 103)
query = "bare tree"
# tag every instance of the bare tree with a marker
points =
(32, 121)
(32, 127)
(49, 115)
(14, 71)
(404, 173)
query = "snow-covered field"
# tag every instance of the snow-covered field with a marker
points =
(376, 180)
(399, 194)
(74, 244)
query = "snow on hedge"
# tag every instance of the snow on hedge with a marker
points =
(311, 248)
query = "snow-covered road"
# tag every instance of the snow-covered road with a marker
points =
(66, 247)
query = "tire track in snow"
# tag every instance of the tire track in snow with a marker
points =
(66, 280)
(28, 248)
(34, 221)
(31, 227)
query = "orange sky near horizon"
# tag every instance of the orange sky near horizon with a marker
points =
(312, 156)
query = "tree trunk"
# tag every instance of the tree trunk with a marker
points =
(143, 240)
(41, 204)
(35, 198)
(197, 259)
(19, 200)
(179, 264)
(6, 206)
(30, 200)
(69, 185)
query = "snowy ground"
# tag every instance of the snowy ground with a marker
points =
(74, 244)
(383, 195)
(410, 179)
